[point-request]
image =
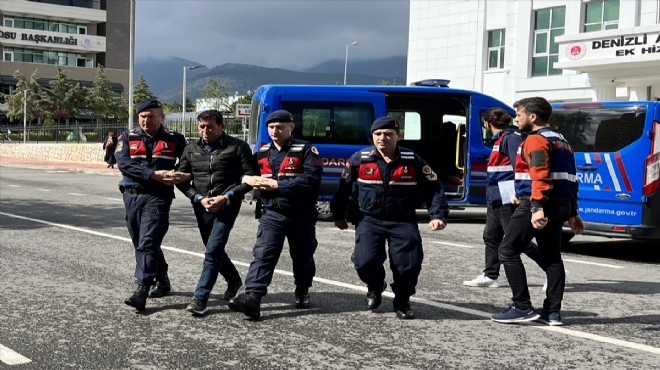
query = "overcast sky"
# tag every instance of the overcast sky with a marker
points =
(292, 34)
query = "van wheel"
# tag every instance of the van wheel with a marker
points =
(566, 237)
(323, 209)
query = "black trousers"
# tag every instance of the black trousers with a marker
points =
(497, 221)
(518, 236)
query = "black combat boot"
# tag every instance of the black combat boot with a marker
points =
(375, 296)
(402, 308)
(247, 303)
(139, 298)
(302, 298)
(161, 289)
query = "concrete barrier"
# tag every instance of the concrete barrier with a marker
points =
(66, 152)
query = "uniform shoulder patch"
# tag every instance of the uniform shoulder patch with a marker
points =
(314, 150)
(428, 172)
(120, 145)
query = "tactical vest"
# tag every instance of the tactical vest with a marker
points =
(499, 168)
(562, 168)
(162, 157)
(292, 165)
(392, 195)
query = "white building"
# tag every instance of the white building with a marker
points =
(564, 50)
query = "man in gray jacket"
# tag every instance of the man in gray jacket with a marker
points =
(216, 162)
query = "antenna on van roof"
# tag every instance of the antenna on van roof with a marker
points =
(432, 82)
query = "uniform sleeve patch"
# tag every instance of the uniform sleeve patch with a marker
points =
(427, 170)
(120, 145)
(314, 150)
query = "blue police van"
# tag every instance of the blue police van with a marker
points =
(441, 124)
(617, 153)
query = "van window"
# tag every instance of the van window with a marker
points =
(331, 122)
(598, 128)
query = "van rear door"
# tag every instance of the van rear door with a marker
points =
(609, 144)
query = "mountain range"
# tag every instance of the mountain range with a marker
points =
(165, 76)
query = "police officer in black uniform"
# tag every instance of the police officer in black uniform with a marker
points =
(289, 184)
(146, 157)
(386, 183)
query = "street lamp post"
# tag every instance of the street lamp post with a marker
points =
(131, 65)
(183, 104)
(25, 115)
(346, 59)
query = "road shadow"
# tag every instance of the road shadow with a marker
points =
(275, 306)
(614, 286)
(619, 249)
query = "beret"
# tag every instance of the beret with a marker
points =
(148, 104)
(384, 123)
(279, 116)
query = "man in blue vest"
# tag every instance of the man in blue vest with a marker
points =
(546, 188)
(289, 184)
(500, 194)
(380, 189)
(146, 157)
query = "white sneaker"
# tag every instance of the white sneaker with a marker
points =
(483, 281)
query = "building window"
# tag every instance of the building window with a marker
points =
(601, 15)
(47, 57)
(548, 24)
(496, 49)
(45, 25)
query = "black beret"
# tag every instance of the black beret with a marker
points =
(279, 116)
(148, 104)
(383, 123)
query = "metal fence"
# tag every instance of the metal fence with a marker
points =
(96, 132)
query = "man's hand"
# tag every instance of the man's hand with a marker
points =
(214, 204)
(162, 176)
(576, 224)
(539, 220)
(341, 224)
(515, 200)
(260, 183)
(175, 177)
(435, 225)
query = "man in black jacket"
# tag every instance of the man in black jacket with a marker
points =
(217, 162)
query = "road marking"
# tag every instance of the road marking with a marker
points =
(115, 199)
(14, 186)
(77, 194)
(560, 330)
(594, 263)
(453, 244)
(43, 189)
(10, 357)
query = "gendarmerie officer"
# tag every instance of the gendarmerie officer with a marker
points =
(289, 184)
(387, 183)
(217, 162)
(146, 157)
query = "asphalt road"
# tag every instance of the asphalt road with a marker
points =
(66, 265)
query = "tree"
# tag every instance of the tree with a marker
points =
(63, 98)
(101, 101)
(14, 102)
(141, 91)
(217, 95)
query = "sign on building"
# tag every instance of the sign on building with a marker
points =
(243, 110)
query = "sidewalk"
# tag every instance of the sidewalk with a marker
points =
(95, 168)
